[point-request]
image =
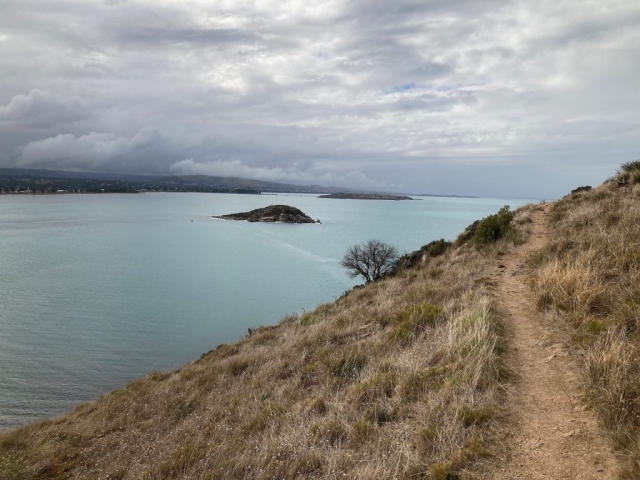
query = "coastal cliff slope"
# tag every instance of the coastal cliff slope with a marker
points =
(419, 375)
(400, 378)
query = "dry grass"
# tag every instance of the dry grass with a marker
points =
(589, 278)
(399, 379)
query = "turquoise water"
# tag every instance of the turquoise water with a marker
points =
(98, 290)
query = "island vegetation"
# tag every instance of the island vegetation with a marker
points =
(271, 214)
(403, 377)
(366, 196)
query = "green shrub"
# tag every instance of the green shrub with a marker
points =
(630, 166)
(629, 172)
(493, 227)
(467, 234)
(436, 248)
(586, 188)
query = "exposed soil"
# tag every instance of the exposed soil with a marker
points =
(550, 434)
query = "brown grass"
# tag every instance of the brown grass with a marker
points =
(589, 278)
(399, 379)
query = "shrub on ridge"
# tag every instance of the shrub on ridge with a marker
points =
(493, 227)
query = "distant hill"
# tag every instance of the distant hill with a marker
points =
(212, 182)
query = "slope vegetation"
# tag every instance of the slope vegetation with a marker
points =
(498, 356)
(398, 379)
(588, 280)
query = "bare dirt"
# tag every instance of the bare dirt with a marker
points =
(551, 434)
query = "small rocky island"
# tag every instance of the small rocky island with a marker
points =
(366, 196)
(272, 213)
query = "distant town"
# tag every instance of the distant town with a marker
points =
(59, 186)
(52, 183)
(20, 181)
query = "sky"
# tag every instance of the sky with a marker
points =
(492, 98)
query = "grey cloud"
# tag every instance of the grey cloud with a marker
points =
(38, 108)
(93, 149)
(406, 95)
(236, 168)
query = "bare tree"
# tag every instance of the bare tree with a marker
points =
(371, 260)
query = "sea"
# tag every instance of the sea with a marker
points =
(97, 290)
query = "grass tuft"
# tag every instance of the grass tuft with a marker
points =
(412, 320)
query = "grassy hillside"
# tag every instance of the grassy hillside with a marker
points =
(398, 379)
(588, 279)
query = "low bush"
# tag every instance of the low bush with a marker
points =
(630, 166)
(585, 188)
(629, 173)
(436, 248)
(493, 227)
(467, 234)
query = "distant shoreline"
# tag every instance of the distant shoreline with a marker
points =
(365, 196)
(443, 195)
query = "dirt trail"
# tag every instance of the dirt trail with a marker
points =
(551, 434)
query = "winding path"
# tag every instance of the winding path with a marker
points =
(550, 434)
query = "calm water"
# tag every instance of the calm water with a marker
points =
(98, 290)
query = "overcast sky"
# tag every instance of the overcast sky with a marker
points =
(495, 98)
